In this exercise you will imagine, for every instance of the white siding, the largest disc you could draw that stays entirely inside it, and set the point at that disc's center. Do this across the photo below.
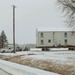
(71, 38)
(56, 38)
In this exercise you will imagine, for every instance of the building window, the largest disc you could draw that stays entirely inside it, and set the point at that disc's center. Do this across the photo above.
(65, 34)
(42, 42)
(49, 41)
(72, 32)
(65, 41)
(41, 34)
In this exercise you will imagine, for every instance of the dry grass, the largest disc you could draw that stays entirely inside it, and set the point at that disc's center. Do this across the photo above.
(45, 65)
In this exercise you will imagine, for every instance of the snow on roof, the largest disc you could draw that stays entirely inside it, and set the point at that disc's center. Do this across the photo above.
(54, 29)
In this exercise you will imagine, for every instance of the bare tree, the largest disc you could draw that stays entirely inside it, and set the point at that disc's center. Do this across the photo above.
(68, 7)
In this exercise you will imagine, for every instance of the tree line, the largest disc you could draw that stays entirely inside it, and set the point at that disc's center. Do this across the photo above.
(3, 40)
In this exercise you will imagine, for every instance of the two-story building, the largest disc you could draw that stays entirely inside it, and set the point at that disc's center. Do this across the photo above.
(55, 37)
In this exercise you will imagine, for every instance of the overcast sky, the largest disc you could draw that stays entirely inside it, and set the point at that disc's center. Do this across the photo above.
(30, 14)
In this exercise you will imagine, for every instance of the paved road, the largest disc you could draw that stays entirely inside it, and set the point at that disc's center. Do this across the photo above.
(13, 71)
(9, 68)
(2, 72)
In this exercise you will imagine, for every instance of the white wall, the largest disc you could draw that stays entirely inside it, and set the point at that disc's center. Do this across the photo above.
(58, 38)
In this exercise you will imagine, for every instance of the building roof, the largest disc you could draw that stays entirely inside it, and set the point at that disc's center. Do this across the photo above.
(54, 29)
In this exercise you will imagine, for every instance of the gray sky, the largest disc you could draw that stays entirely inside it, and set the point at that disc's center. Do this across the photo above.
(30, 14)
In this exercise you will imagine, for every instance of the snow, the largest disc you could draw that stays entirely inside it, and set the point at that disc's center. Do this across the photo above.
(54, 29)
(58, 56)
(59, 49)
(40, 49)
(17, 69)
(35, 49)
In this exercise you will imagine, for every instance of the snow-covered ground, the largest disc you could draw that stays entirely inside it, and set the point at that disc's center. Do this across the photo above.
(59, 58)
(63, 56)
(17, 69)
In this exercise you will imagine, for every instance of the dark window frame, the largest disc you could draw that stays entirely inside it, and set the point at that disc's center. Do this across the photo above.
(41, 34)
(65, 34)
(49, 41)
(66, 41)
(42, 42)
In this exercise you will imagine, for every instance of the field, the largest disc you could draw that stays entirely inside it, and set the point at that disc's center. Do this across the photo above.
(61, 62)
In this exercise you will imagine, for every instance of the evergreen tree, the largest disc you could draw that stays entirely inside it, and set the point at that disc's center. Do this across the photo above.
(3, 39)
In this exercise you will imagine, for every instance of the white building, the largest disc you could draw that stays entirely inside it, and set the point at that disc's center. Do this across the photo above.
(55, 37)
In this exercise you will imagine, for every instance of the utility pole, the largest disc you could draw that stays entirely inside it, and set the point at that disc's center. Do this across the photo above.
(14, 28)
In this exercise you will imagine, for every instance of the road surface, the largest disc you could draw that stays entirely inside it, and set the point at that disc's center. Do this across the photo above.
(2, 72)
(9, 68)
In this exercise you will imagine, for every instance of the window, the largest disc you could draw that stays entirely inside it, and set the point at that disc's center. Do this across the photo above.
(65, 34)
(42, 42)
(49, 41)
(65, 41)
(72, 32)
(41, 34)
